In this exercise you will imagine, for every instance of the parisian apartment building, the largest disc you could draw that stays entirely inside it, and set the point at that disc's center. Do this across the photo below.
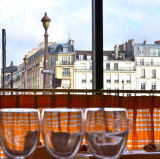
(136, 64)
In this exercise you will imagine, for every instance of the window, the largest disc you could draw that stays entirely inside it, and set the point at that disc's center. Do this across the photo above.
(151, 62)
(128, 94)
(66, 83)
(66, 72)
(107, 66)
(153, 86)
(116, 78)
(90, 66)
(141, 61)
(56, 58)
(140, 50)
(90, 80)
(84, 78)
(105, 58)
(65, 49)
(115, 66)
(108, 79)
(88, 57)
(153, 73)
(143, 86)
(80, 57)
(83, 66)
(51, 61)
(65, 60)
(154, 52)
(128, 77)
(142, 73)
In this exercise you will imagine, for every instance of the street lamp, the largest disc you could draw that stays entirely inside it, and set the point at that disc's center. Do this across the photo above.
(46, 21)
(25, 76)
(123, 86)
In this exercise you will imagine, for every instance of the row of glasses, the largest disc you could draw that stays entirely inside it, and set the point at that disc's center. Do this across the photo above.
(105, 129)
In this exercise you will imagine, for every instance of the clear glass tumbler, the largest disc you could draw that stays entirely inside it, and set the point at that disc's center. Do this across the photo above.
(62, 131)
(19, 132)
(106, 131)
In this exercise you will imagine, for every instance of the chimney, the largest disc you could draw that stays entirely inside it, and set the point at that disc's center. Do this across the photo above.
(116, 51)
(144, 42)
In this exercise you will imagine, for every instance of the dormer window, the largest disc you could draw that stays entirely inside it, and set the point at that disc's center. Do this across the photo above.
(88, 57)
(65, 49)
(105, 58)
(81, 57)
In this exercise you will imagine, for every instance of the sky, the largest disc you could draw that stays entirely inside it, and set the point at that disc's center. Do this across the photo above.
(122, 20)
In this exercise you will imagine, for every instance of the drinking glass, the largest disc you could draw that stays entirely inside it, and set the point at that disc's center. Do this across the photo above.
(19, 132)
(62, 131)
(130, 126)
(106, 131)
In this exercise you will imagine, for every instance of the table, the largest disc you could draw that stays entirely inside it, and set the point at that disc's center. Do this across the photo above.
(42, 153)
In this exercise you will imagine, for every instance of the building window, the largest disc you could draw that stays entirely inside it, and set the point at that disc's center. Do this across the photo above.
(80, 57)
(88, 57)
(115, 66)
(90, 80)
(65, 60)
(143, 86)
(128, 94)
(105, 58)
(142, 73)
(108, 79)
(153, 73)
(128, 77)
(66, 83)
(116, 78)
(65, 49)
(66, 72)
(84, 78)
(151, 62)
(56, 58)
(51, 61)
(153, 86)
(107, 66)
(142, 62)
(140, 49)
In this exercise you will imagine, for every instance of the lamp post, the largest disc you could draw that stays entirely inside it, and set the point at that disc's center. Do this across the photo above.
(25, 76)
(46, 21)
(123, 86)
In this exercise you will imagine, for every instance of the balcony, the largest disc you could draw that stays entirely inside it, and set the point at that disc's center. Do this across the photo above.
(83, 68)
(147, 63)
(121, 69)
(66, 73)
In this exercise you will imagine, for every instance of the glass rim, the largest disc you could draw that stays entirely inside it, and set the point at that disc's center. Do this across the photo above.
(62, 110)
(106, 109)
(21, 110)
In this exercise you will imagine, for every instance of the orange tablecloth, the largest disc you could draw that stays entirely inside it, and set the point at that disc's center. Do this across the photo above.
(144, 111)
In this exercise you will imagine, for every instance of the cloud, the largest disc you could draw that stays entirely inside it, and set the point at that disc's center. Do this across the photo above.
(123, 20)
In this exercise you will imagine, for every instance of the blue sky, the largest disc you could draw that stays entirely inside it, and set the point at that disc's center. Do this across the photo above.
(123, 20)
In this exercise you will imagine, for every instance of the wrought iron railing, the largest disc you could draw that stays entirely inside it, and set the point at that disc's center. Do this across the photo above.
(76, 91)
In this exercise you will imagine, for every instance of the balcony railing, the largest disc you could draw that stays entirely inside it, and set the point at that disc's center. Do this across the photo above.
(66, 73)
(120, 69)
(83, 68)
(148, 63)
